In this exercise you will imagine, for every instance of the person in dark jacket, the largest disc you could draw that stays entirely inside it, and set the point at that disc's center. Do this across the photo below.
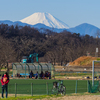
(31, 75)
(36, 76)
(4, 82)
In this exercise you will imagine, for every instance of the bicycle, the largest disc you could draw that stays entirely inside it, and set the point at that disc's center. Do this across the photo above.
(58, 88)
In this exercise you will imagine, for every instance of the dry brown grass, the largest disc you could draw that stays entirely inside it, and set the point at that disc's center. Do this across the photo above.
(83, 61)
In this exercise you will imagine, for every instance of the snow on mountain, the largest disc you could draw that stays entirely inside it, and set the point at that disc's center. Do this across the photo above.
(84, 29)
(46, 19)
(42, 28)
(43, 21)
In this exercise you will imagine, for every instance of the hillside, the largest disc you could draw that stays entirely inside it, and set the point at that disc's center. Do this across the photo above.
(83, 61)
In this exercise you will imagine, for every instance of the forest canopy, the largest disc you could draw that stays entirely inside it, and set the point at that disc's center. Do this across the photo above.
(17, 41)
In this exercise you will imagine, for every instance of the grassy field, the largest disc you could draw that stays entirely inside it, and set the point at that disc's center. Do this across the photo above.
(23, 88)
(43, 87)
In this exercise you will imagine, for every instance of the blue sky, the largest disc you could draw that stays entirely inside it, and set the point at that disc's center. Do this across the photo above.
(71, 12)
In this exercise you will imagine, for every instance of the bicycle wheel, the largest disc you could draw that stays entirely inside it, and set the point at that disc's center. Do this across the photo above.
(63, 90)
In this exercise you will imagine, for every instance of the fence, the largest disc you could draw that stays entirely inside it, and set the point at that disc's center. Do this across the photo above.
(93, 88)
(72, 86)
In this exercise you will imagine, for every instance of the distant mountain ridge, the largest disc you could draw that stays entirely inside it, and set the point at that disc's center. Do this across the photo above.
(83, 29)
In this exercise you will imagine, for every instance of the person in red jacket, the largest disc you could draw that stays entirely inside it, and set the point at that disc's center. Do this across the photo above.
(4, 81)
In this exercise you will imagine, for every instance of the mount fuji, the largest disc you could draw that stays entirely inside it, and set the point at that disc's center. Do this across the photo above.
(43, 21)
(46, 19)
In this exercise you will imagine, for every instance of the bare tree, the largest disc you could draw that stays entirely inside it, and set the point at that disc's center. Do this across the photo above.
(6, 52)
(97, 33)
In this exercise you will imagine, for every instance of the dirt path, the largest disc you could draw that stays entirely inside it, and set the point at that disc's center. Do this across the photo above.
(83, 97)
(73, 97)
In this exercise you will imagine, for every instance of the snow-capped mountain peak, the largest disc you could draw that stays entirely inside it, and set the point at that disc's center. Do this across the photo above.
(46, 19)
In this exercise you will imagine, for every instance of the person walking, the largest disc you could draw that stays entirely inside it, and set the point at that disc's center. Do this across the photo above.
(4, 81)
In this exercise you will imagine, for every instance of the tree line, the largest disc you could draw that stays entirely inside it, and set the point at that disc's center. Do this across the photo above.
(18, 41)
